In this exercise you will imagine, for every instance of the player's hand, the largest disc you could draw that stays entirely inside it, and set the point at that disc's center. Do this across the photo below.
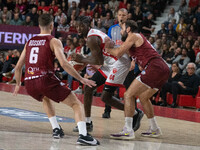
(76, 57)
(132, 67)
(109, 43)
(87, 82)
(16, 90)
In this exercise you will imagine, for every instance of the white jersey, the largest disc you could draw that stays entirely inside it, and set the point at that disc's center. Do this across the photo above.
(108, 59)
(114, 70)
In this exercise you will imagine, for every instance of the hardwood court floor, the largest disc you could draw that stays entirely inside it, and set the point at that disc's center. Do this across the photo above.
(15, 132)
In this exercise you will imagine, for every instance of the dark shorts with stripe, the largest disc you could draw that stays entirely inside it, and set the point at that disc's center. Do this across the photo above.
(49, 86)
(156, 73)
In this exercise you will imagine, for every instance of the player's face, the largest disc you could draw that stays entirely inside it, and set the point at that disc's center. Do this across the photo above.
(123, 32)
(122, 16)
(81, 28)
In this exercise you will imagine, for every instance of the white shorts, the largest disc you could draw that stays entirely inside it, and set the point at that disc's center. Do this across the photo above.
(116, 73)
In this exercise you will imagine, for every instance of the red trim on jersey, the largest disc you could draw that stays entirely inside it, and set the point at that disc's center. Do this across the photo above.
(113, 84)
(103, 74)
(115, 58)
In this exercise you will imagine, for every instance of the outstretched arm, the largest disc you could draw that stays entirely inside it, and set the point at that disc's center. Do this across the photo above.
(57, 48)
(124, 48)
(96, 57)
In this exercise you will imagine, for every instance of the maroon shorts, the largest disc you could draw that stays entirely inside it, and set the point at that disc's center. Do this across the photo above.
(155, 74)
(49, 86)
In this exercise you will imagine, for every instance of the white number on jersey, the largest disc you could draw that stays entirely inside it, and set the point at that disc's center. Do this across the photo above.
(34, 55)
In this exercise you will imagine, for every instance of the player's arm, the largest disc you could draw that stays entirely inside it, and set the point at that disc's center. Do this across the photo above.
(18, 70)
(96, 57)
(124, 48)
(57, 48)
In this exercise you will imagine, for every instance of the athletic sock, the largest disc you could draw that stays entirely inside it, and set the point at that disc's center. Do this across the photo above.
(82, 128)
(128, 123)
(88, 119)
(54, 122)
(153, 123)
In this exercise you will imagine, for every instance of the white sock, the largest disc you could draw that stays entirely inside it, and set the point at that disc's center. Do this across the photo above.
(88, 119)
(153, 123)
(129, 123)
(54, 122)
(82, 128)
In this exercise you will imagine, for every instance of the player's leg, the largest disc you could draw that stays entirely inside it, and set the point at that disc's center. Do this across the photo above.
(138, 113)
(109, 100)
(136, 88)
(79, 116)
(50, 111)
(154, 130)
(88, 96)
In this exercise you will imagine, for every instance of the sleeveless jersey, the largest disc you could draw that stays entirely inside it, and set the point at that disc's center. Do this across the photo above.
(144, 53)
(39, 57)
(108, 59)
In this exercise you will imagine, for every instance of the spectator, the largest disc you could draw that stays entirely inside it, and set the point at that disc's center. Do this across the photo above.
(147, 7)
(6, 14)
(108, 21)
(16, 20)
(177, 52)
(183, 7)
(195, 47)
(162, 30)
(27, 21)
(137, 16)
(180, 26)
(22, 5)
(63, 26)
(192, 31)
(54, 6)
(147, 28)
(197, 61)
(182, 60)
(34, 16)
(113, 4)
(58, 16)
(167, 54)
(172, 15)
(171, 33)
(64, 7)
(174, 76)
(123, 4)
(98, 26)
(106, 10)
(73, 7)
(3, 20)
(188, 16)
(191, 53)
(158, 46)
(188, 84)
(197, 15)
(92, 4)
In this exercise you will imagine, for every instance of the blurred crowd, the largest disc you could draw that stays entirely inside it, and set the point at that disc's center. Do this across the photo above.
(178, 40)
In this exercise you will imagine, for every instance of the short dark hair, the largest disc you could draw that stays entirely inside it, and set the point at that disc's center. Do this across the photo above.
(45, 19)
(84, 19)
(132, 24)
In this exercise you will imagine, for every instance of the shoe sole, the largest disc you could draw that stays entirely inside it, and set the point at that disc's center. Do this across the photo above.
(152, 136)
(137, 126)
(122, 138)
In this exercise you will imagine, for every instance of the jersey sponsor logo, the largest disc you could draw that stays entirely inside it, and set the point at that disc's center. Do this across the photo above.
(28, 115)
(31, 70)
(114, 70)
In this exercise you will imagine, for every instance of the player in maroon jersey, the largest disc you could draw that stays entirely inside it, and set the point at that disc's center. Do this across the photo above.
(155, 73)
(40, 81)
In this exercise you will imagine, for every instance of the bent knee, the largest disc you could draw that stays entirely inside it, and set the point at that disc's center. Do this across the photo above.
(128, 95)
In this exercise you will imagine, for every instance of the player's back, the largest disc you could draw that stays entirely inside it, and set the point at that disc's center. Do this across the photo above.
(39, 57)
(144, 53)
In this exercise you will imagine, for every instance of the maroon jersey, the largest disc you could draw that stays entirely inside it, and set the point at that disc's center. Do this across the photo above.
(143, 54)
(39, 57)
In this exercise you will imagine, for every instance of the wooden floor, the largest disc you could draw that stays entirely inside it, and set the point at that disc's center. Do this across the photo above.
(14, 130)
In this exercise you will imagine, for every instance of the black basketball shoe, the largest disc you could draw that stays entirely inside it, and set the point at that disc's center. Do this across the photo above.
(87, 140)
(58, 133)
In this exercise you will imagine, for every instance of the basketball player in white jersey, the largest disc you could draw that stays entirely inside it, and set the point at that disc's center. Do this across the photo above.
(112, 73)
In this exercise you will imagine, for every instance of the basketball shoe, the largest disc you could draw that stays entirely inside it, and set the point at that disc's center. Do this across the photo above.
(87, 140)
(151, 133)
(58, 133)
(123, 135)
(137, 119)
